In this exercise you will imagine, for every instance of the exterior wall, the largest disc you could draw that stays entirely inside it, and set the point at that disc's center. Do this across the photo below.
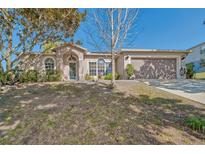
(60, 57)
(179, 66)
(36, 62)
(196, 57)
(28, 62)
(40, 65)
(93, 59)
(153, 55)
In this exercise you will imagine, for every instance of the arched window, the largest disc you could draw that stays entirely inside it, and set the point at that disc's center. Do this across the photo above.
(49, 64)
(72, 58)
(101, 67)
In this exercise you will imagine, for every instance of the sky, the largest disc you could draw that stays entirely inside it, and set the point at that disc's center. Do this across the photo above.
(173, 29)
(164, 29)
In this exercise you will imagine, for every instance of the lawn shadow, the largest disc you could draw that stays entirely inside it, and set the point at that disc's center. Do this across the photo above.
(167, 116)
(92, 113)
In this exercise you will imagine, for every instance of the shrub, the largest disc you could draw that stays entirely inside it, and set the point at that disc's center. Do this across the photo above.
(190, 70)
(196, 123)
(10, 77)
(42, 77)
(53, 75)
(26, 76)
(88, 77)
(13, 76)
(32, 76)
(129, 70)
(29, 76)
(7, 78)
(109, 76)
(117, 76)
(2, 78)
(22, 77)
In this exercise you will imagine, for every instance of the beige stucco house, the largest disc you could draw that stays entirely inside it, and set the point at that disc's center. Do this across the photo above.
(75, 62)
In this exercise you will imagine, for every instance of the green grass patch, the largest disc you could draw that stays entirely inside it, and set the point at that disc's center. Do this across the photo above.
(196, 123)
(113, 124)
(51, 123)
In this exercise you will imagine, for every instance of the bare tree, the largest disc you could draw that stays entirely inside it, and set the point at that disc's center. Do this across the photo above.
(112, 29)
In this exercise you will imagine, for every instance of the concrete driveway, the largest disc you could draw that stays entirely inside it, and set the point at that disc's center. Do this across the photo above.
(191, 89)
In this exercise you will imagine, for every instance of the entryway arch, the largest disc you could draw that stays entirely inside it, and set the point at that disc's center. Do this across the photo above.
(71, 61)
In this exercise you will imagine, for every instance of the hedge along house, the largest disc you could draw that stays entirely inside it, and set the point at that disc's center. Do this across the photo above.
(76, 62)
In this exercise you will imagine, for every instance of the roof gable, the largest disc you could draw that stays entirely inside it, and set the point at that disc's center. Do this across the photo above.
(71, 45)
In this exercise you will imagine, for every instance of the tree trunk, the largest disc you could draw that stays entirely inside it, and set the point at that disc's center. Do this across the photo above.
(8, 54)
(113, 70)
(1, 74)
(112, 50)
(8, 64)
(1, 67)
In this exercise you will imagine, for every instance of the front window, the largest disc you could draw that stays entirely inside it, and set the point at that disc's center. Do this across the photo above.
(101, 67)
(92, 68)
(49, 64)
(202, 51)
(202, 63)
(108, 68)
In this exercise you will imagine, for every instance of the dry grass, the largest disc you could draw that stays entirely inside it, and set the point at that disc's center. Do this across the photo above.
(89, 113)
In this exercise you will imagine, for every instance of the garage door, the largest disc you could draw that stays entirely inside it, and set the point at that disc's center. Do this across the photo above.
(153, 68)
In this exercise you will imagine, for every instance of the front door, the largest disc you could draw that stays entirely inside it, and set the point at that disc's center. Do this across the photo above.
(72, 70)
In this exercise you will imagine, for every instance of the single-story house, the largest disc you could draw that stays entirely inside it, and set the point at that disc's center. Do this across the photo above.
(75, 62)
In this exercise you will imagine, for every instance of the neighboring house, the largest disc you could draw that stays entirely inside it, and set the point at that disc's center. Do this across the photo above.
(76, 62)
(197, 59)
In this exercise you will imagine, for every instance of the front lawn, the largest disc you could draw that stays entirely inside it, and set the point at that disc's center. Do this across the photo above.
(89, 113)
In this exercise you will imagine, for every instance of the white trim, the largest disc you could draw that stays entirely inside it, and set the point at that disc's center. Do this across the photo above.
(138, 49)
(95, 60)
(76, 57)
(153, 56)
(155, 50)
(89, 67)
